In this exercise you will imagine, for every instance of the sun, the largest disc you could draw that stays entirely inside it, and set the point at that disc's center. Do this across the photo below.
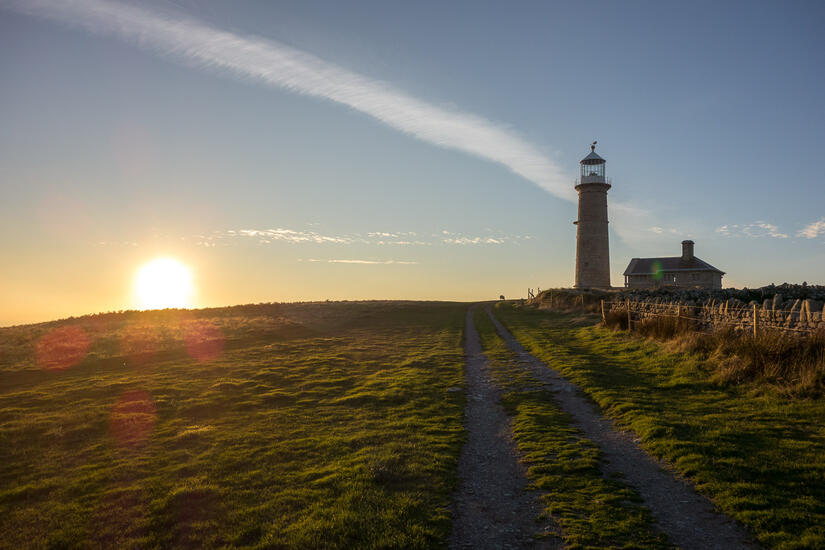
(162, 283)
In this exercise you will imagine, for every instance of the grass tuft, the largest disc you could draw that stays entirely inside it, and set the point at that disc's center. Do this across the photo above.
(616, 319)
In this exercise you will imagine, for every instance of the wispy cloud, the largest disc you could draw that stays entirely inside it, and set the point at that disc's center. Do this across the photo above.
(812, 230)
(196, 43)
(378, 238)
(473, 240)
(396, 238)
(192, 42)
(448, 237)
(394, 235)
(761, 229)
(658, 230)
(292, 236)
(633, 223)
(755, 229)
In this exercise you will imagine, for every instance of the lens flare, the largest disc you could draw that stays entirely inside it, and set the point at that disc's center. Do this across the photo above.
(132, 419)
(62, 347)
(163, 283)
(204, 341)
(139, 344)
(658, 270)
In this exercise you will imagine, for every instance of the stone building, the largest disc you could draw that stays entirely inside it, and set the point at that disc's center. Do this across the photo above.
(592, 247)
(683, 271)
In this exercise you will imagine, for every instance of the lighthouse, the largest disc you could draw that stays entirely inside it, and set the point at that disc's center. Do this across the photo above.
(592, 248)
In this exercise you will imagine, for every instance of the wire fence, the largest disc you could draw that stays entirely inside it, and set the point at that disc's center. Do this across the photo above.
(708, 318)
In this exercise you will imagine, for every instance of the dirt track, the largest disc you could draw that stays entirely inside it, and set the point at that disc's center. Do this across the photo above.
(492, 508)
(688, 518)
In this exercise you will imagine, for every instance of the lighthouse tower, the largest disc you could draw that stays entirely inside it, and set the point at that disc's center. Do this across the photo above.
(592, 248)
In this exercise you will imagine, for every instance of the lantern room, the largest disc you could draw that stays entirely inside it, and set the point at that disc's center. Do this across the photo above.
(592, 167)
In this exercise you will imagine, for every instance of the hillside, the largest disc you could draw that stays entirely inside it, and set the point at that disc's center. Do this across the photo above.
(300, 425)
(344, 425)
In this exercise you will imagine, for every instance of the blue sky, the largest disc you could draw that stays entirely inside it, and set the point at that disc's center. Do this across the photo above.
(438, 164)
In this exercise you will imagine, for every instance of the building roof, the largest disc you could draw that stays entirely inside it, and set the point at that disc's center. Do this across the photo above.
(645, 266)
(592, 158)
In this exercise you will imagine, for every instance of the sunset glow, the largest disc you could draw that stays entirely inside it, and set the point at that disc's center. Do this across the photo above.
(163, 283)
(319, 274)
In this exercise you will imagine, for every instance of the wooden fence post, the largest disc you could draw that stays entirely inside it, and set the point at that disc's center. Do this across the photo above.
(603, 319)
(755, 321)
(628, 318)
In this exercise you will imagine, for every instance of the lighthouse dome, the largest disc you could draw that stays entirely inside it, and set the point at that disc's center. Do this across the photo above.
(593, 158)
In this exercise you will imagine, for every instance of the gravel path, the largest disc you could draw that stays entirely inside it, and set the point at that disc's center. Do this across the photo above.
(492, 507)
(687, 517)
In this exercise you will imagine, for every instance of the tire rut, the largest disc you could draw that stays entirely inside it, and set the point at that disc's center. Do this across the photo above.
(687, 517)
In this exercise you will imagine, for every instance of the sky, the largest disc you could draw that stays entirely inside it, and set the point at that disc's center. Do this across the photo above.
(305, 150)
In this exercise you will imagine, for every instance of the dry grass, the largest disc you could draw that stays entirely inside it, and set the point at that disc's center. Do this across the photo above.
(795, 363)
(665, 328)
(616, 319)
(567, 300)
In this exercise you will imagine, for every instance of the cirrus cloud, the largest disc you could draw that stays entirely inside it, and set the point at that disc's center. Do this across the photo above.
(812, 230)
(193, 42)
(756, 229)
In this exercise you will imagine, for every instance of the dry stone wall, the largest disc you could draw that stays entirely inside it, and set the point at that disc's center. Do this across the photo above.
(788, 307)
(802, 315)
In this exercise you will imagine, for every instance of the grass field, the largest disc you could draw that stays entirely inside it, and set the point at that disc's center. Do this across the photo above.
(293, 426)
(329, 426)
(757, 453)
(593, 511)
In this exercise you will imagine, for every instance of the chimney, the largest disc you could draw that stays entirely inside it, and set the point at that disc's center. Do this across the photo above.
(687, 251)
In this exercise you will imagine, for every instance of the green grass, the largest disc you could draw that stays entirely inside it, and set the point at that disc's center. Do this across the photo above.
(592, 510)
(758, 454)
(303, 426)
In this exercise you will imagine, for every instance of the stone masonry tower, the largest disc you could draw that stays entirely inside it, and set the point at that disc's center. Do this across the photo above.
(592, 248)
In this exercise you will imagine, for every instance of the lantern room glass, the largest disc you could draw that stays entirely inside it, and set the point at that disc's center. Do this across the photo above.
(593, 170)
